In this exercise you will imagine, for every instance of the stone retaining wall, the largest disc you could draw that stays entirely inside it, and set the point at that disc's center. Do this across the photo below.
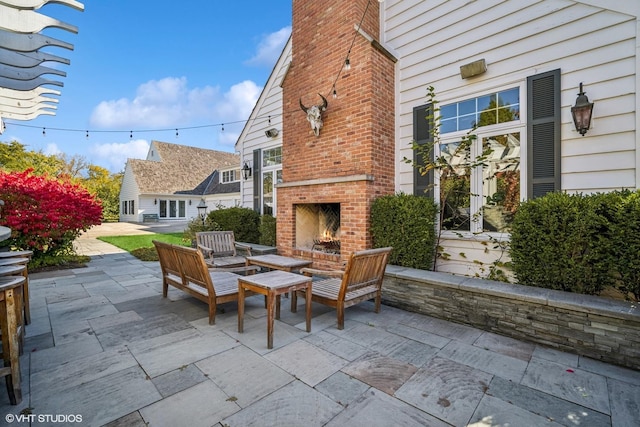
(599, 328)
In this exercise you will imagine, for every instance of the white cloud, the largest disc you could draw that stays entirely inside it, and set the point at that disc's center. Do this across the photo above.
(270, 48)
(168, 103)
(157, 104)
(114, 155)
(52, 150)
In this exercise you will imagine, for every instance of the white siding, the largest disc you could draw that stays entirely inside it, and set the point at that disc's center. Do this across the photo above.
(587, 42)
(267, 114)
(129, 191)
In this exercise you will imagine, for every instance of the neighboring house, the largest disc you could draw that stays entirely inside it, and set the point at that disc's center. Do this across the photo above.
(512, 68)
(174, 179)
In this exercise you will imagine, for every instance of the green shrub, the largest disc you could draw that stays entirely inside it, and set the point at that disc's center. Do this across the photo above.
(244, 222)
(627, 244)
(267, 230)
(407, 223)
(565, 242)
(196, 225)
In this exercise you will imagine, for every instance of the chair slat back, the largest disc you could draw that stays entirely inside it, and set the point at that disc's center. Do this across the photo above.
(222, 243)
(194, 269)
(168, 261)
(364, 269)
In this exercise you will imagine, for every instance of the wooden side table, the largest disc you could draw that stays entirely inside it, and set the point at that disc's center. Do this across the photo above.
(278, 262)
(272, 285)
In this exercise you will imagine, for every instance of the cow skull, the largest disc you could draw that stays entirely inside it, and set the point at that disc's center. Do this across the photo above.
(314, 114)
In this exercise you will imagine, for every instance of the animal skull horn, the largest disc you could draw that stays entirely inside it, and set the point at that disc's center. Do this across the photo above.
(314, 114)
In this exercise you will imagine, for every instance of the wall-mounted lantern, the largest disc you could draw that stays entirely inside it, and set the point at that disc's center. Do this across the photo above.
(202, 210)
(246, 171)
(155, 201)
(581, 112)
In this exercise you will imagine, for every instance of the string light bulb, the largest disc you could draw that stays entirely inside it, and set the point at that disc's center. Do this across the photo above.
(347, 64)
(44, 131)
(335, 94)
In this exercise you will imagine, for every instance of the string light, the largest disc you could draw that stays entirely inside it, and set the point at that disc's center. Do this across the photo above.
(44, 131)
(87, 134)
(346, 65)
(176, 132)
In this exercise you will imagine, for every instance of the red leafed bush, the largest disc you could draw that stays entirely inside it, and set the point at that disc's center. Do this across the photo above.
(45, 215)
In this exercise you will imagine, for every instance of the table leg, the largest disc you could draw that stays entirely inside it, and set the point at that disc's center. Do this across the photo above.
(308, 306)
(240, 307)
(278, 306)
(270, 310)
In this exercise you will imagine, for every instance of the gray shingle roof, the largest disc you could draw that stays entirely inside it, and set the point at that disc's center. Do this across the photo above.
(183, 170)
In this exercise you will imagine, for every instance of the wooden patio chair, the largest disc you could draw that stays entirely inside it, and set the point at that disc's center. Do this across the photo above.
(361, 280)
(185, 269)
(221, 250)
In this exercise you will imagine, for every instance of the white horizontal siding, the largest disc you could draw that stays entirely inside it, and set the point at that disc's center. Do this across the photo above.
(267, 114)
(589, 43)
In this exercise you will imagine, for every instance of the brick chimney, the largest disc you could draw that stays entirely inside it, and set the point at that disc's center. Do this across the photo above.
(352, 161)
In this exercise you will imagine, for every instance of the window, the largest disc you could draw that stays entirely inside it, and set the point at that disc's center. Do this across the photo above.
(267, 173)
(486, 110)
(172, 209)
(480, 188)
(230, 176)
(272, 157)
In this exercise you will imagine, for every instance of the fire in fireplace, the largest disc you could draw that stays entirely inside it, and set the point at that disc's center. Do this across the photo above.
(318, 227)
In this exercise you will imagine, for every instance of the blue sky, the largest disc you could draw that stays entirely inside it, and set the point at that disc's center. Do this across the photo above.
(156, 64)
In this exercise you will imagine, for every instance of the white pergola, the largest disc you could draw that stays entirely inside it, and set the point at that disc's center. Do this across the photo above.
(23, 88)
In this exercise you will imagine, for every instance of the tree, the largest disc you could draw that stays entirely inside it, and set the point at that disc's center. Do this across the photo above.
(45, 214)
(106, 187)
(14, 157)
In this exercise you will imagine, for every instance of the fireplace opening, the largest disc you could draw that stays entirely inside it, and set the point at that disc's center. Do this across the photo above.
(318, 227)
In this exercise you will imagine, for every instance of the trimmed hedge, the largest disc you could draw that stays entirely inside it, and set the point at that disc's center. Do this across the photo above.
(407, 223)
(578, 243)
(244, 222)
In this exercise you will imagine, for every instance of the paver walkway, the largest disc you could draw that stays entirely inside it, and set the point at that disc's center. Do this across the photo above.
(105, 346)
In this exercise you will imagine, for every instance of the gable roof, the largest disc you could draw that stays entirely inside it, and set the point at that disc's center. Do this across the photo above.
(183, 170)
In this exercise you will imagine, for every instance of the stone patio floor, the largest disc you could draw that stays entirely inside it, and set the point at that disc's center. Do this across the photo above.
(104, 346)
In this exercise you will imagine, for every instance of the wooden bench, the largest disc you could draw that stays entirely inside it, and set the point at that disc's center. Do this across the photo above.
(185, 269)
(150, 217)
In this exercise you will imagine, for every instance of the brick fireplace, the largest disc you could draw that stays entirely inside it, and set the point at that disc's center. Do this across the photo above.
(351, 162)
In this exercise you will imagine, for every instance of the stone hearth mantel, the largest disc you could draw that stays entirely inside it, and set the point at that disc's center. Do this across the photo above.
(323, 181)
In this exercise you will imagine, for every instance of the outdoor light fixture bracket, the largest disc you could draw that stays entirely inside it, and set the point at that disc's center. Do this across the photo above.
(581, 112)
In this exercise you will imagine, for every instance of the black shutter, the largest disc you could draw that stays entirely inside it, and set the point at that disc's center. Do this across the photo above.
(257, 184)
(422, 135)
(543, 133)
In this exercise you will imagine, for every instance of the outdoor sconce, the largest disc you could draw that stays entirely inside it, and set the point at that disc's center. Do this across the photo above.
(271, 133)
(202, 210)
(155, 201)
(189, 202)
(581, 112)
(246, 171)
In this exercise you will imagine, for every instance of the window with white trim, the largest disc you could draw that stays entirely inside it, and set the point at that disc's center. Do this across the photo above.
(480, 143)
(230, 176)
(271, 175)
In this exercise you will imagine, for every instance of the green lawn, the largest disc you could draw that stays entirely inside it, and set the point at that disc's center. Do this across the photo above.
(131, 243)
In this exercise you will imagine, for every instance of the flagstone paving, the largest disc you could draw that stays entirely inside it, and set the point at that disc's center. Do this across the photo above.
(105, 345)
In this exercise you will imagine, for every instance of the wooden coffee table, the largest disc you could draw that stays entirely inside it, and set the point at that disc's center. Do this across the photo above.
(272, 285)
(278, 262)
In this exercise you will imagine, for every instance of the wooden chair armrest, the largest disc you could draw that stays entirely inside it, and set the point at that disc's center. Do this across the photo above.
(245, 247)
(207, 252)
(317, 272)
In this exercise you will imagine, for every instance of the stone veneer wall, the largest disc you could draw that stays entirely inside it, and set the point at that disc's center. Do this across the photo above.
(599, 328)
